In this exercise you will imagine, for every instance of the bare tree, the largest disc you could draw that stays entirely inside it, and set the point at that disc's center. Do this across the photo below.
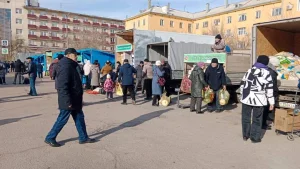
(16, 45)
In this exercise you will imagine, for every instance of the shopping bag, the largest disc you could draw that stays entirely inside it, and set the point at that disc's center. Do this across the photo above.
(186, 85)
(223, 97)
(208, 96)
(119, 91)
(165, 101)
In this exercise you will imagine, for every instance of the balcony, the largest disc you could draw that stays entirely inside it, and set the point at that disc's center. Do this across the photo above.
(66, 29)
(32, 26)
(55, 29)
(96, 24)
(32, 36)
(121, 27)
(55, 38)
(76, 22)
(112, 34)
(42, 17)
(112, 43)
(44, 37)
(105, 34)
(86, 23)
(64, 20)
(113, 26)
(104, 25)
(55, 19)
(31, 16)
(76, 30)
(44, 27)
(76, 39)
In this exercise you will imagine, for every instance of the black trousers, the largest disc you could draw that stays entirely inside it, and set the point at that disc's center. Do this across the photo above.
(196, 101)
(2, 80)
(148, 87)
(125, 89)
(40, 74)
(156, 99)
(18, 75)
(167, 88)
(252, 130)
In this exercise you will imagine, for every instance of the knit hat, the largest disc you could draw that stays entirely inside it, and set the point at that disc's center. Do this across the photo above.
(158, 63)
(108, 76)
(201, 64)
(263, 59)
(214, 60)
(60, 56)
(218, 37)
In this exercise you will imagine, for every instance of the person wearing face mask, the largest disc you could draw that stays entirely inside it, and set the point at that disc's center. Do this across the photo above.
(219, 45)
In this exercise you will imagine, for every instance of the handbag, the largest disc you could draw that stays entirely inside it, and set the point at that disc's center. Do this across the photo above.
(161, 81)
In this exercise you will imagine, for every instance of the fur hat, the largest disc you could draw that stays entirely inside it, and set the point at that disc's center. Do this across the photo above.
(263, 59)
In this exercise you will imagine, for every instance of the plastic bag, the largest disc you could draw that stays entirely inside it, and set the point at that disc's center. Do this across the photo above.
(223, 97)
(208, 96)
(165, 101)
(119, 91)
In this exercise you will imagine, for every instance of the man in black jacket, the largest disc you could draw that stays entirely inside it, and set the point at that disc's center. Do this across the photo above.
(18, 70)
(70, 93)
(215, 77)
(139, 77)
(32, 71)
(167, 75)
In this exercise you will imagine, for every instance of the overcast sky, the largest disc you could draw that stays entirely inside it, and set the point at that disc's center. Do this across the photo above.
(119, 9)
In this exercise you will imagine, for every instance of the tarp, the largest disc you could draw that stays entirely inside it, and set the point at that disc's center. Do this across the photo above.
(40, 58)
(92, 55)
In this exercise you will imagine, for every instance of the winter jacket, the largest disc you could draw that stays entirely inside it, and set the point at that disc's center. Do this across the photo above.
(198, 82)
(2, 69)
(139, 72)
(274, 75)
(95, 75)
(12, 65)
(257, 86)
(219, 47)
(167, 69)
(109, 85)
(215, 77)
(126, 74)
(106, 69)
(39, 68)
(148, 70)
(69, 86)
(32, 70)
(19, 66)
(156, 88)
(53, 68)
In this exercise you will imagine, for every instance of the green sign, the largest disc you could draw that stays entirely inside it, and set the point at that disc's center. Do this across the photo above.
(79, 58)
(49, 54)
(204, 57)
(5, 51)
(124, 48)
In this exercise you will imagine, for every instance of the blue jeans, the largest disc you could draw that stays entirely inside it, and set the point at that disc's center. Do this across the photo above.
(62, 120)
(32, 86)
(216, 99)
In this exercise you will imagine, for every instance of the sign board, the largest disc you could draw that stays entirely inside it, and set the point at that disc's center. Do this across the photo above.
(49, 54)
(124, 48)
(5, 51)
(204, 57)
(4, 42)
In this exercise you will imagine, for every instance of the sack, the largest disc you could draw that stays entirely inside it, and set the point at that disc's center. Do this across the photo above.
(186, 85)
(119, 90)
(223, 97)
(165, 101)
(208, 96)
(161, 81)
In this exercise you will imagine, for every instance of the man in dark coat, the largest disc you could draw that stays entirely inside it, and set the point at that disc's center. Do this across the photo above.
(12, 66)
(32, 70)
(54, 69)
(139, 76)
(167, 75)
(19, 66)
(40, 70)
(198, 83)
(126, 77)
(215, 77)
(70, 93)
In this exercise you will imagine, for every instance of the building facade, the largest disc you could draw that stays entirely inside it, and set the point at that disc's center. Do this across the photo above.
(43, 29)
(233, 21)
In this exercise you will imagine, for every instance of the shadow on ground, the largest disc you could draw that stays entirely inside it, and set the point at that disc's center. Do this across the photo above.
(13, 120)
(14, 97)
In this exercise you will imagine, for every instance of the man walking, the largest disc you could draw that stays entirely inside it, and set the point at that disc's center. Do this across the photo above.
(70, 94)
(40, 70)
(126, 77)
(32, 70)
(139, 76)
(257, 91)
(215, 77)
(148, 76)
(12, 66)
(18, 70)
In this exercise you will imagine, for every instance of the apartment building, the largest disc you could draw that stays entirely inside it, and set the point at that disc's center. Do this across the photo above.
(45, 29)
(233, 21)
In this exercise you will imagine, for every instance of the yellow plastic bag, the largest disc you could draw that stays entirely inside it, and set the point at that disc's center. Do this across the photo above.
(165, 101)
(119, 91)
(208, 96)
(223, 97)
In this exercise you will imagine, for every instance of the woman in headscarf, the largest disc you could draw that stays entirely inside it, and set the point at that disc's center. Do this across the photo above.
(95, 74)
(219, 45)
(87, 71)
(198, 83)
(156, 87)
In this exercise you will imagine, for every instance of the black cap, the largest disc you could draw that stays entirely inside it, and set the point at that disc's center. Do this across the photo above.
(126, 60)
(146, 60)
(29, 58)
(141, 62)
(214, 60)
(60, 56)
(107, 61)
(218, 37)
(263, 59)
(71, 51)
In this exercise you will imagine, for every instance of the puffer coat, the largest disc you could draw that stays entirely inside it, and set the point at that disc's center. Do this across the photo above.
(198, 82)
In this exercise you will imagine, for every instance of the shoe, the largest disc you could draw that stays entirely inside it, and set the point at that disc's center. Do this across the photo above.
(14, 83)
(156, 105)
(267, 127)
(201, 112)
(133, 102)
(211, 111)
(245, 138)
(148, 99)
(218, 111)
(29, 94)
(192, 110)
(52, 143)
(124, 103)
(89, 140)
(255, 141)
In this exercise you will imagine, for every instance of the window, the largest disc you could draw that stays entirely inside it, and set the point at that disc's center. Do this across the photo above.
(104, 30)
(31, 32)
(217, 22)
(54, 34)
(43, 43)
(197, 26)
(190, 28)
(31, 42)
(31, 12)
(18, 10)
(96, 21)
(43, 33)
(139, 23)
(112, 48)
(84, 28)
(242, 17)
(276, 12)
(144, 22)
(242, 31)
(54, 24)
(205, 24)
(55, 44)
(54, 15)
(65, 26)
(241, 45)
(258, 13)
(19, 31)
(172, 24)
(31, 22)
(228, 32)
(43, 23)
(65, 16)
(112, 31)
(112, 40)
(43, 13)
(75, 18)
(180, 25)
(161, 23)
(229, 18)
(85, 19)
(18, 21)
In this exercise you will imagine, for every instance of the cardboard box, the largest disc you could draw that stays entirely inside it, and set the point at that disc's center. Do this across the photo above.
(284, 120)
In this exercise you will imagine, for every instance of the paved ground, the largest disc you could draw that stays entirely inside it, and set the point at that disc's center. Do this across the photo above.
(131, 137)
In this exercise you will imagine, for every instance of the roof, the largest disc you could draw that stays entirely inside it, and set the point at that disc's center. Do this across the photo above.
(203, 14)
(72, 13)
